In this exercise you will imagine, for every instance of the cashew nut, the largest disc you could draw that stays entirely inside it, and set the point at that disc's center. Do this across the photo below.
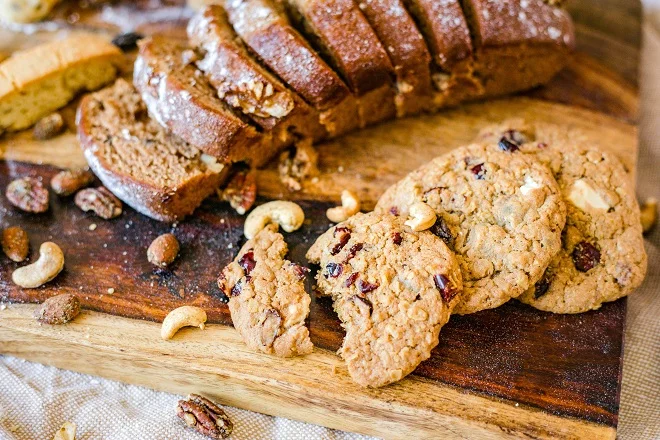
(288, 215)
(66, 432)
(49, 264)
(649, 214)
(350, 205)
(421, 217)
(182, 317)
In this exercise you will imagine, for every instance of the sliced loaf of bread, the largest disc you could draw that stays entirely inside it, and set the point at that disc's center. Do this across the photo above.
(38, 81)
(407, 50)
(151, 170)
(357, 55)
(245, 85)
(179, 97)
(264, 27)
(518, 44)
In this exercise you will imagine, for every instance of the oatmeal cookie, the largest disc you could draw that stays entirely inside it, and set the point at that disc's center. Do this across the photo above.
(267, 298)
(499, 210)
(393, 290)
(602, 256)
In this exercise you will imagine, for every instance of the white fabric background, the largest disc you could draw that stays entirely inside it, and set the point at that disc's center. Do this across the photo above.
(35, 400)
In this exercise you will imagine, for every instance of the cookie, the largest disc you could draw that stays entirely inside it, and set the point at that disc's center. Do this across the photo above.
(393, 290)
(602, 256)
(499, 210)
(267, 298)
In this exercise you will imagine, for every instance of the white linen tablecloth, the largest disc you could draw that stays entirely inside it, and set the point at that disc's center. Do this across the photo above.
(35, 400)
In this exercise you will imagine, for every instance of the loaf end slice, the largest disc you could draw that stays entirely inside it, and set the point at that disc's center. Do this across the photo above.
(179, 97)
(518, 44)
(247, 86)
(38, 81)
(265, 28)
(154, 172)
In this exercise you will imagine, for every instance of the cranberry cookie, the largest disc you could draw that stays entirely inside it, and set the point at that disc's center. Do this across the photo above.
(267, 298)
(393, 290)
(602, 257)
(499, 210)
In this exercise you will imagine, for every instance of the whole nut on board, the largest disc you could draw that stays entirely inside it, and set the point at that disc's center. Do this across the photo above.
(241, 191)
(48, 127)
(15, 243)
(183, 316)
(28, 194)
(58, 309)
(99, 200)
(350, 205)
(47, 267)
(288, 215)
(204, 416)
(67, 182)
(163, 250)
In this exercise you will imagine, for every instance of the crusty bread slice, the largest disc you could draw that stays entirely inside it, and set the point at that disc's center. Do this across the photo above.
(151, 170)
(179, 97)
(38, 81)
(518, 44)
(245, 85)
(265, 28)
(338, 30)
(407, 51)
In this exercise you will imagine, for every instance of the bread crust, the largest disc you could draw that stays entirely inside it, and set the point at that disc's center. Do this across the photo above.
(407, 51)
(180, 99)
(242, 83)
(264, 27)
(168, 204)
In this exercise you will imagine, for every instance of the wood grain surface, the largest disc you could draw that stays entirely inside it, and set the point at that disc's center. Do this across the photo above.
(508, 372)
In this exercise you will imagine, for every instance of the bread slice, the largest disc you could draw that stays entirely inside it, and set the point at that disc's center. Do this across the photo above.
(246, 86)
(151, 170)
(264, 27)
(340, 31)
(179, 97)
(447, 34)
(38, 81)
(518, 44)
(407, 51)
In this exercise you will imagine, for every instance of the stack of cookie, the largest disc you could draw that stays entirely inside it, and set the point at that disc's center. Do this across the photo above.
(523, 213)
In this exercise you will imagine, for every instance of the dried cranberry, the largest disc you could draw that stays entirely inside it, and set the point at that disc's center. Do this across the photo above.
(357, 247)
(237, 289)
(507, 145)
(300, 271)
(351, 279)
(541, 287)
(446, 288)
(478, 171)
(366, 287)
(397, 238)
(585, 256)
(334, 270)
(247, 262)
(343, 239)
(394, 210)
(441, 230)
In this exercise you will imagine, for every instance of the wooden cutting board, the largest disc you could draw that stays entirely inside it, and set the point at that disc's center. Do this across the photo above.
(508, 372)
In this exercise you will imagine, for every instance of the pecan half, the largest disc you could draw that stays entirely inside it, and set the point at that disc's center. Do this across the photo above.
(48, 127)
(100, 201)
(241, 191)
(297, 164)
(204, 416)
(28, 194)
(67, 182)
(15, 243)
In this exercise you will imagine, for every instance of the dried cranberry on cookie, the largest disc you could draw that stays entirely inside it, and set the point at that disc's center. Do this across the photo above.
(393, 290)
